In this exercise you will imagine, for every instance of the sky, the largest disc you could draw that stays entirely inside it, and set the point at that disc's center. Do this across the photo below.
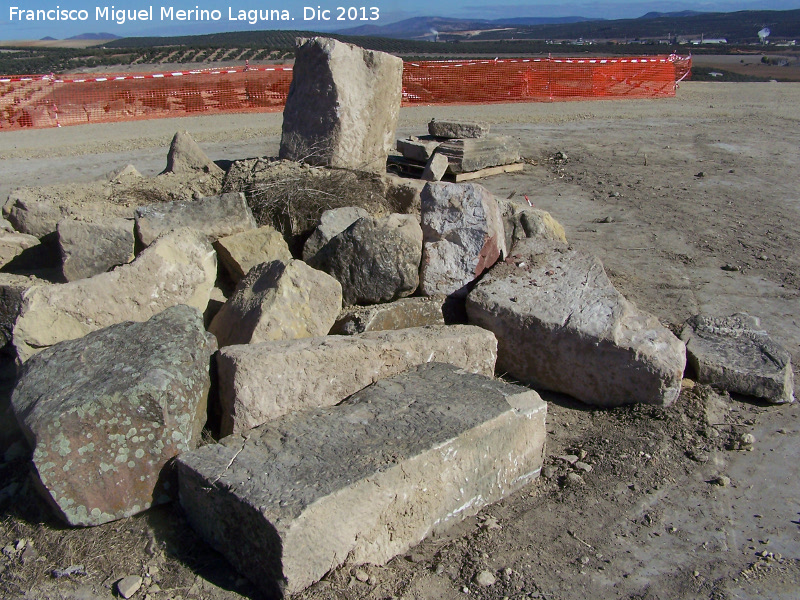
(310, 14)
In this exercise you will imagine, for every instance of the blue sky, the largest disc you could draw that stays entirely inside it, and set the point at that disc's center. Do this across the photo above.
(387, 10)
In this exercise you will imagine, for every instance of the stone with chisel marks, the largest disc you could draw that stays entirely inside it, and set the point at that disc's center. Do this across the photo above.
(365, 480)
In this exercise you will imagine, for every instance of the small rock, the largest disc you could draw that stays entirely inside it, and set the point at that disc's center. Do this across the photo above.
(548, 472)
(29, 554)
(491, 523)
(570, 458)
(69, 571)
(730, 267)
(747, 439)
(582, 454)
(583, 466)
(722, 481)
(128, 586)
(485, 578)
(20, 545)
(687, 384)
(575, 479)
(361, 575)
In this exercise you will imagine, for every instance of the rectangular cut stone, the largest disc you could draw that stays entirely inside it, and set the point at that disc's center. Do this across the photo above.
(261, 382)
(400, 314)
(476, 154)
(458, 129)
(365, 480)
(419, 149)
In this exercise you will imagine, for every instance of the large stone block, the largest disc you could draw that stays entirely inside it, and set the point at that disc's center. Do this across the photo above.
(458, 129)
(560, 324)
(241, 252)
(363, 481)
(12, 290)
(375, 260)
(418, 149)
(342, 107)
(105, 413)
(278, 301)
(467, 155)
(179, 268)
(216, 216)
(735, 354)
(88, 249)
(400, 314)
(261, 382)
(13, 243)
(463, 235)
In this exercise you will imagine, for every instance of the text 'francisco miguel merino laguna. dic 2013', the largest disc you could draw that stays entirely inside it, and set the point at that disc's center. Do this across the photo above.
(121, 16)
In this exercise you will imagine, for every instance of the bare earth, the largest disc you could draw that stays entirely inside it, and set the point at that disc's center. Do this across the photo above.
(666, 192)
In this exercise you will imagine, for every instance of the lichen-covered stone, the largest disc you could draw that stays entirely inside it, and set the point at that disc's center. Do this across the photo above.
(179, 268)
(735, 354)
(278, 301)
(104, 413)
(365, 480)
(375, 260)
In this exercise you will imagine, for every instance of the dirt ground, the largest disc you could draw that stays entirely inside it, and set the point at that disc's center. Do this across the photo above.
(693, 204)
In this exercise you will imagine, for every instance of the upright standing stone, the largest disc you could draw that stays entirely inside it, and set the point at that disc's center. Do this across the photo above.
(365, 480)
(106, 412)
(185, 156)
(735, 354)
(560, 324)
(463, 235)
(342, 107)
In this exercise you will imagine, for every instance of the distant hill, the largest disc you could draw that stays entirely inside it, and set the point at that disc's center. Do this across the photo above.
(682, 13)
(95, 36)
(422, 27)
(47, 38)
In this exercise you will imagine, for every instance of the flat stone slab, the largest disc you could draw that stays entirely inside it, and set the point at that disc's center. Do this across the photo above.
(363, 481)
(735, 354)
(561, 324)
(419, 149)
(400, 314)
(465, 155)
(458, 129)
(261, 382)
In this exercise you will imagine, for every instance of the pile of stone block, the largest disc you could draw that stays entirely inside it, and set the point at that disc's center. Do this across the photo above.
(463, 150)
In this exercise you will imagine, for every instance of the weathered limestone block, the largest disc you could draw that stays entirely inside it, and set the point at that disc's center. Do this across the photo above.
(463, 235)
(88, 249)
(436, 168)
(560, 324)
(342, 107)
(331, 223)
(735, 354)
(520, 222)
(363, 481)
(375, 260)
(261, 382)
(36, 218)
(185, 156)
(179, 268)
(241, 252)
(467, 155)
(400, 314)
(418, 149)
(216, 216)
(458, 129)
(104, 413)
(403, 193)
(278, 301)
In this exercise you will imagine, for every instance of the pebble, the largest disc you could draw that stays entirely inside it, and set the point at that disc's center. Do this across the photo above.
(722, 481)
(582, 454)
(128, 586)
(575, 479)
(583, 466)
(687, 384)
(548, 472)
(570, 458)
(361, 575)
(485, 578)
(747, 439)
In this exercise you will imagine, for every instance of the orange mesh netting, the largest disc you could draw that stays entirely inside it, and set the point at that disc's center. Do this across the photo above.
(51, 101)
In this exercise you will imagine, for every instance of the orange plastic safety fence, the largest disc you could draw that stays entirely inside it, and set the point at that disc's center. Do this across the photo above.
(50, 101)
